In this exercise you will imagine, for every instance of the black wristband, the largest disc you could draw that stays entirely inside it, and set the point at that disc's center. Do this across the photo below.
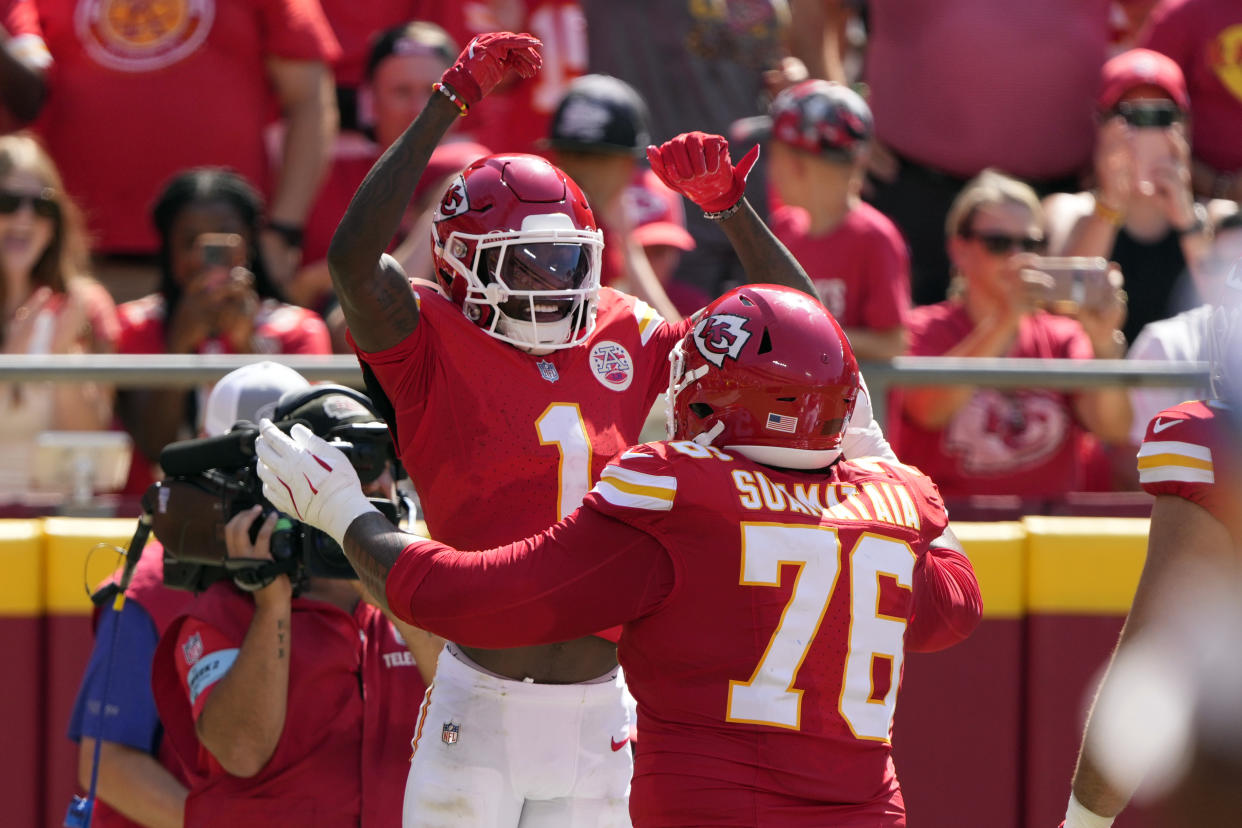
(1196, 226)
(292, 235)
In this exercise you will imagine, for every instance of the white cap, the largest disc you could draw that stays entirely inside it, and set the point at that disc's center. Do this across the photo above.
(249, 393)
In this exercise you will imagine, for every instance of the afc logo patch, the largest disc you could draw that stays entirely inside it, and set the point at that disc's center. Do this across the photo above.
(720, 336)
(455, 201)
(612, 366)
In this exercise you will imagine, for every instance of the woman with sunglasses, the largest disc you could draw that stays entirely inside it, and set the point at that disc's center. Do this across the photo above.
(49, 306)
(998, 441)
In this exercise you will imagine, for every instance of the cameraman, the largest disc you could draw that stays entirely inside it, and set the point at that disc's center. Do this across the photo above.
(293, 703)
(140, 781)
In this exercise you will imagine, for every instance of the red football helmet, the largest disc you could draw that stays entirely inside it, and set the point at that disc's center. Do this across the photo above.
(765, 370)
(518, 248)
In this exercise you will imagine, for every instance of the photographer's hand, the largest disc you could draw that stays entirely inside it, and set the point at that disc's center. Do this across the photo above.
(237, 540)
(308, 479)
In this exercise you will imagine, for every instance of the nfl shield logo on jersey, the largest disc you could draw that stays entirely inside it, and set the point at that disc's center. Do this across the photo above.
(449, 733)
(193, 649)
(547, 370)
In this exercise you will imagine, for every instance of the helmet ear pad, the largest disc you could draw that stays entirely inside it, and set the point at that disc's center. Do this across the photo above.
(765, 367)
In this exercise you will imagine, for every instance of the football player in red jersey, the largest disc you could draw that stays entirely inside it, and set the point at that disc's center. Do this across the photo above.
(513, 379)
(768, 588)
(1189, 460)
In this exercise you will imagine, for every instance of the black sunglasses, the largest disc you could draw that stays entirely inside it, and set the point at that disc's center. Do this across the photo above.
(1149, 113)
(998, 244)
(43, 204)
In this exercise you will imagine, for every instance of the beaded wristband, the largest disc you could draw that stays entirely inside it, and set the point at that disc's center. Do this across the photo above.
(1109, 214)
(725, 213)
(452, 96)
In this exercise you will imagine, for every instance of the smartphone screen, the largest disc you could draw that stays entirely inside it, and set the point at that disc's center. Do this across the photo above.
(1077, 282)
(220, 250)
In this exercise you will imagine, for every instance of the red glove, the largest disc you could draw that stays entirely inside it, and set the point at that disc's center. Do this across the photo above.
(484, 61)
(697, 165)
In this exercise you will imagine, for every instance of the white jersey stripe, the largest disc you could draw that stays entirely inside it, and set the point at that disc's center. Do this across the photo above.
(635, 490)
(1178, 474)
(1175, 447)
(648, 320)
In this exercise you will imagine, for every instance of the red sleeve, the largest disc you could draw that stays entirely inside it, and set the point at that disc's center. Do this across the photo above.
(1169, 32)
(203, 656)
(309, 336)
(888, 280)
(947, 603)
(298, 30)
(584, 574)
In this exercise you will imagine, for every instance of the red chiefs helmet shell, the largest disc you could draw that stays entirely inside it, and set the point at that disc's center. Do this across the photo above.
(506, 212)
(764, 366)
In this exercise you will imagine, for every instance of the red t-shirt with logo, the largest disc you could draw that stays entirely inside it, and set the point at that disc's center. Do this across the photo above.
(861, 269)
(1018, 442)
(1204, 37)
(142, 91)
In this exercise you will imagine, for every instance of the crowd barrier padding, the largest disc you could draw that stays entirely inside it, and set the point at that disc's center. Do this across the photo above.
(1081, 577)
(986, 732)
(79, 554)
(22, 651)
(959, 715)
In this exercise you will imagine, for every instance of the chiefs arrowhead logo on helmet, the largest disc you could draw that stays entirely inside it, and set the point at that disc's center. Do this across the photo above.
(720, 336)
(455, 201)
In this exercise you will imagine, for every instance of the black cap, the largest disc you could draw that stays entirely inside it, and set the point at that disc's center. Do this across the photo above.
(600, 113)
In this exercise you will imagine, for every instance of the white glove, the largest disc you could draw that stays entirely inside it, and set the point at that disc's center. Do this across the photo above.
(308, 479)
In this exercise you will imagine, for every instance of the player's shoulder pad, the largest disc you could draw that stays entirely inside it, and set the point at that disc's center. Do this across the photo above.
(616, 308)
(883, 469)
(1179, 444)
(643, 477)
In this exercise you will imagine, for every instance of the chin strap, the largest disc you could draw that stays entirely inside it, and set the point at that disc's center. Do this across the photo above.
(706, 438)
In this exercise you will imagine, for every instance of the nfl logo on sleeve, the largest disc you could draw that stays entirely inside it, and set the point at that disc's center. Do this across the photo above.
(450, 732)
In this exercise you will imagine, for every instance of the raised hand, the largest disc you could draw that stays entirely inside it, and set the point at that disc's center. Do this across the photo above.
(697, 165)
(484, 61)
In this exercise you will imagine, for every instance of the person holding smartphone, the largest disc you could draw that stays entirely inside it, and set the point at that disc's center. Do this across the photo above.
(1142, 213)
(215, 296)
(1025, 442)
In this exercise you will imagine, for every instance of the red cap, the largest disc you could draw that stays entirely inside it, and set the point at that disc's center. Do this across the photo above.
(446, 160)
(658, 215)
(1141, 67)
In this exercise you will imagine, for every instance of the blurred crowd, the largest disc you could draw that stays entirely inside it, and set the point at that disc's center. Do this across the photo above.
(171, 176)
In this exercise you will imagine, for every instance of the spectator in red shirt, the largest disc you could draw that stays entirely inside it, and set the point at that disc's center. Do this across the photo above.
(403, 63)
(1202, 37)
(821, 134)
(215, 296)
(984, 440)
(134, 103)
(598, 133)
(658, 218)
(50, 306)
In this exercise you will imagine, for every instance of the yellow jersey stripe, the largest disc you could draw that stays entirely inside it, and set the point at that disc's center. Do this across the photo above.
(635, 490)
(1153, 461)
(648, 320)
(1159, 447)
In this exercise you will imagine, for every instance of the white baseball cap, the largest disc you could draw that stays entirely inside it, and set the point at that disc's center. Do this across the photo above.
(248, 393)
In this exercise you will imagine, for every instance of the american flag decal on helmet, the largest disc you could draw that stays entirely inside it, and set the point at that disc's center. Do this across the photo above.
(779, 422)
